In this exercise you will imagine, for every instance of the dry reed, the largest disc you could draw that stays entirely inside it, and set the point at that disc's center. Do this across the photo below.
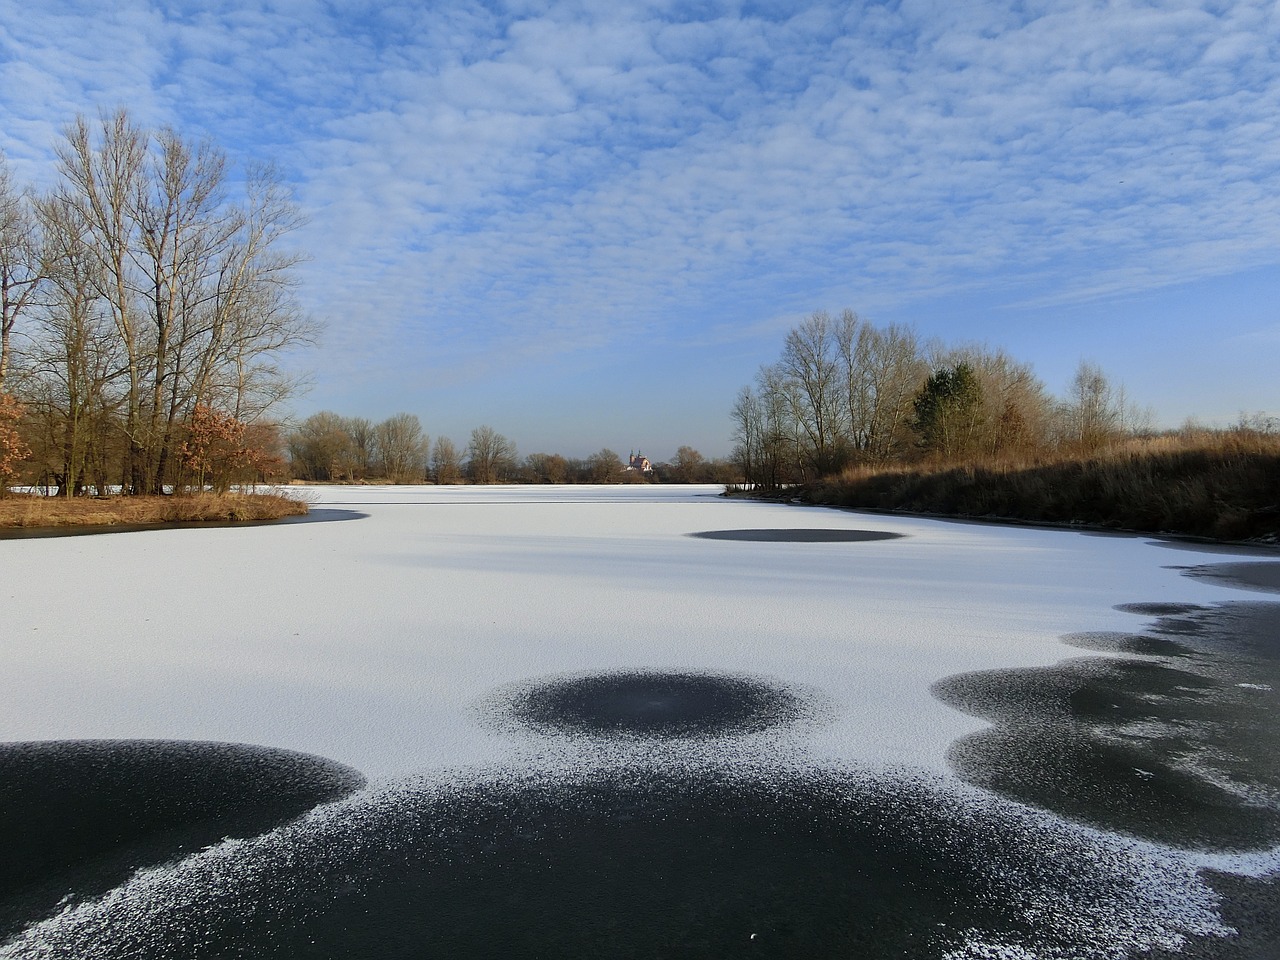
(1222, 486)
(28, 510)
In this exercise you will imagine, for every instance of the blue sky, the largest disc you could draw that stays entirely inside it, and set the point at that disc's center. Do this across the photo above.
(588, 223)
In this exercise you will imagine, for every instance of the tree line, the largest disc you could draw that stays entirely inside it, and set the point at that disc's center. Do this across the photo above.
(328, 447)
(847, 393)
(144, 301)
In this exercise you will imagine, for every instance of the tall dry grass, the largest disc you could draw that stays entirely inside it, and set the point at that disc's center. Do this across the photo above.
(1222, 485)
(30, 510)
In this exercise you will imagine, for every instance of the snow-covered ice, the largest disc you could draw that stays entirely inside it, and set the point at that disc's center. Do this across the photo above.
(370, 641)
(386, 639)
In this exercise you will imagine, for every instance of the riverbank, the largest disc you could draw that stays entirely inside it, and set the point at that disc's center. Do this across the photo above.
(1218, 494)
(30, 510)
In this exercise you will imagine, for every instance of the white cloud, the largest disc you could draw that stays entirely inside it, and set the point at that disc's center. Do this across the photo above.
(539, 176)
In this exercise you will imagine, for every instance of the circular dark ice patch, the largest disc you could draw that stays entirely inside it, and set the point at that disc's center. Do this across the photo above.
(655, 705)
(798, 535)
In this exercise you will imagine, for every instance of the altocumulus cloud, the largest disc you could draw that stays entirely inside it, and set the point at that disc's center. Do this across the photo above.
(537, 178)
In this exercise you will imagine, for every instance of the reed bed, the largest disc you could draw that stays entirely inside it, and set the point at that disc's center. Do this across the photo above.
(31, 510)
(1224, 487)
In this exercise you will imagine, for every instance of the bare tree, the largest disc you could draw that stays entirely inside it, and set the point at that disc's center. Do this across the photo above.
(75, 358)
(199, 295)
(687, 466)
(361, 458)
(1093, 415)
(768, 437)
(882, 370)
(21, 263)
(491, 457)
(809, 362)
(605, 466)
(100, 183)
(320, 448)
(446, 462)
(252, 314)
(546, 468)
(747, 436)
(402, 448)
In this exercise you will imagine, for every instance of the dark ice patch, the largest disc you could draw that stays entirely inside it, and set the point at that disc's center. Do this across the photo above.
(1251, 906)
(1130, 643)
(79, 816)
(1181, 748)
(1261, 576)
(638, 862)
(323, 515)
(798, 535)
(1210, 546)
(1159, 609)
(656, 705)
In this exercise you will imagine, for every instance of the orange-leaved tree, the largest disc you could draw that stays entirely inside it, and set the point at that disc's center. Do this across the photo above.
(12, 448)
(215, 452)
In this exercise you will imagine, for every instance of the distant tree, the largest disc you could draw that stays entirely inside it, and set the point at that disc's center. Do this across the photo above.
(546, 468)
(446, 463)
(881, 373)
(723, 470)
(361, 458)
(810, 366)
(782, 436)
(1259, 422)
(766, 434)
(402, 448)
(491, 457)
(1096, 412)
(747, 435)
(948, 410)
(1016, 412)
(605, 466)
(687, 466)
(320, 448)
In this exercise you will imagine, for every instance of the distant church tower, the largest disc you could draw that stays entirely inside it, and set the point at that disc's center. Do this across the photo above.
(640, 463)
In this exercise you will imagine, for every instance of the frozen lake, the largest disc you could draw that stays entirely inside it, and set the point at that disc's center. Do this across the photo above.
(570, 659)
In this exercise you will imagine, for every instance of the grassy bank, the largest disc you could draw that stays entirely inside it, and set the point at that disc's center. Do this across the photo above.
(26, 510)
(1222, 490)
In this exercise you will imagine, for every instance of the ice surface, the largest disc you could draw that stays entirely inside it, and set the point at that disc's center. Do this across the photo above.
(372, 642)
(394, 644)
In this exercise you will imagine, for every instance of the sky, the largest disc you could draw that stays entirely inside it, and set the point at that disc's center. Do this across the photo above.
(588, 223)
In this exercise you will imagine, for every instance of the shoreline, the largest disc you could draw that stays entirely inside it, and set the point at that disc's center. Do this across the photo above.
(27, 515)
(1266, 546)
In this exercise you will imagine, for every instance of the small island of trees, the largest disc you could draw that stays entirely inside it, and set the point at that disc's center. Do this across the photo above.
(144, 299)
(858, 415)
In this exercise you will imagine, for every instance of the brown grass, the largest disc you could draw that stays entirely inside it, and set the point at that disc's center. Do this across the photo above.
(26, 510)
(1223, 487)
